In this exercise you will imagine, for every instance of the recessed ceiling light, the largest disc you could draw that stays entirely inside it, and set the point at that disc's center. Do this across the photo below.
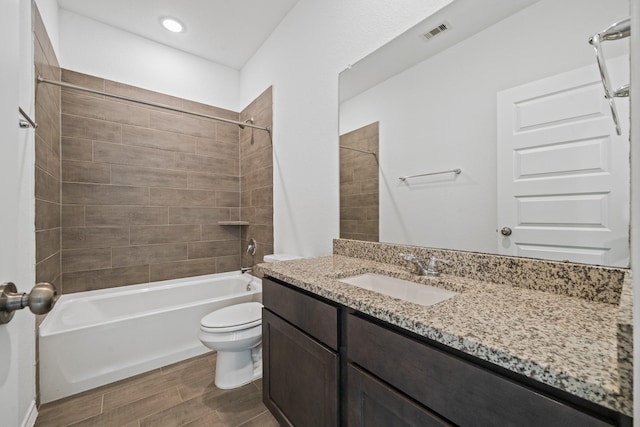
(172, 25)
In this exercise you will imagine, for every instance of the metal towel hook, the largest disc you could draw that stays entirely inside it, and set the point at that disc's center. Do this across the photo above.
(27, 122)
(616, 31)
(41, 300)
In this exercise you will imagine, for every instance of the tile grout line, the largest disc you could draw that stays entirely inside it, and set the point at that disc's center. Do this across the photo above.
(182, 399)
(251, 419)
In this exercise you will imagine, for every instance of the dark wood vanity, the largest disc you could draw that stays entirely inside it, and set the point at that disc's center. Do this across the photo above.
(301, 360)
(329, 365)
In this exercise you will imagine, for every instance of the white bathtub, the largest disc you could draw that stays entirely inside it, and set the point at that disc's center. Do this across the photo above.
(97, 337)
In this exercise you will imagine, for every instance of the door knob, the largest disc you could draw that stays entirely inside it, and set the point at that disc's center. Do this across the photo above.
(505, 231)
(41, 300)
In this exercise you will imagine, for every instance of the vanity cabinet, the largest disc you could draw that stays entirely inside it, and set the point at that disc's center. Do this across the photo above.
(328, 365)
(457, 390)
(300, 357)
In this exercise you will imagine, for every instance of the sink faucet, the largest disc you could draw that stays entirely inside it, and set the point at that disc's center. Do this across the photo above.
(416, 265)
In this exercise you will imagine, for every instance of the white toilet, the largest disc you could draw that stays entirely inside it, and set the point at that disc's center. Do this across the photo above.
(236, 333)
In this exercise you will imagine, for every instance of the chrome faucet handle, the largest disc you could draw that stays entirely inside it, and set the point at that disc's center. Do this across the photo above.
(433, 260)
(412, 263)
(432, 268)
(408, 257)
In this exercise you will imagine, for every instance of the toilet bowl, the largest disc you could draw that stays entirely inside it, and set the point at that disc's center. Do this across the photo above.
(236, 333)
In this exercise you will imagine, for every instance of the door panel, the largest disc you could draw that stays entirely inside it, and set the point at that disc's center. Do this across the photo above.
(563, 173)
(17, 234)
(571, 104)
(562, 159)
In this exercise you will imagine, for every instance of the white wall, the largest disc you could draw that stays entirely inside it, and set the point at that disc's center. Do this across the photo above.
(49, 13)
(302, 59)
(94, 48)
(441, 114)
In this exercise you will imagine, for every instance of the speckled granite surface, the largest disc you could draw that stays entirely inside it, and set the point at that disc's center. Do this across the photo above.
(603, 284)
(625, 337)
(567, 342)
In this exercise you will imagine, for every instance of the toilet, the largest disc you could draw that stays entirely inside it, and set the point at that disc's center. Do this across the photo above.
(235, 332)
(280, 257)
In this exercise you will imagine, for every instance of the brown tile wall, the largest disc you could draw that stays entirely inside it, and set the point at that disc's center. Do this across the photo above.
(359, 194)
(256, 177)
(143, 189)
(47, 167)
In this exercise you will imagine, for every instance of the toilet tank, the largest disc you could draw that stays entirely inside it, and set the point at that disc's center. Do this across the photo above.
(280, 257)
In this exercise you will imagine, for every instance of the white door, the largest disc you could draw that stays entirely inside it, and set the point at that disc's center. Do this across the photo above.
(17, 338)
(563, 172)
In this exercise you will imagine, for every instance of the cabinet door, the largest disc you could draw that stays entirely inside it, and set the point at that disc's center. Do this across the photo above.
(372, 403)
(300, 378)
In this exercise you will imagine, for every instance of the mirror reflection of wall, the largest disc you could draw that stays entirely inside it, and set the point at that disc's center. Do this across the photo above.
(440, 114)
(359, 198)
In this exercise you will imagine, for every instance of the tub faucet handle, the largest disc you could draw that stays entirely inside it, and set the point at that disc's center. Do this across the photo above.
(251, 247)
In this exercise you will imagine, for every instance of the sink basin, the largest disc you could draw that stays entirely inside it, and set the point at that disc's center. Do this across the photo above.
(402, 289)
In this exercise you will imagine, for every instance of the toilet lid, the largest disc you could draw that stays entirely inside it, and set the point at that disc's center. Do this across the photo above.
(239, 315)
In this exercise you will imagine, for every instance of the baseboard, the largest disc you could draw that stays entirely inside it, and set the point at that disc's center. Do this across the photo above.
(32, 414)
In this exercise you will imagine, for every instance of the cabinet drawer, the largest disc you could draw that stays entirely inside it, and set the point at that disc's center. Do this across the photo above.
(459, 391)
(313, 316)
(372, 403)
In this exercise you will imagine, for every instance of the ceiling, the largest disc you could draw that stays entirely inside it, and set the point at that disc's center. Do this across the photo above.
(464, 19)
(227, 32)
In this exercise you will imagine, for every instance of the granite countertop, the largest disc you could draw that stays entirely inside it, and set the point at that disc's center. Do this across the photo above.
(566, 342)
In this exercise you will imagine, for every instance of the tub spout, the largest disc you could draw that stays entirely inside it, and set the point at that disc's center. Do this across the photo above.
(246, 270)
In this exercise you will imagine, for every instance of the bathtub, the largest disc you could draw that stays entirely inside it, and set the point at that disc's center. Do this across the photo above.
(97, 337)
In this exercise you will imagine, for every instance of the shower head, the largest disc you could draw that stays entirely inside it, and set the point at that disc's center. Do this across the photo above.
(248, 121)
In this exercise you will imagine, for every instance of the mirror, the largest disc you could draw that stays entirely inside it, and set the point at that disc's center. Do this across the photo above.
(434, 103)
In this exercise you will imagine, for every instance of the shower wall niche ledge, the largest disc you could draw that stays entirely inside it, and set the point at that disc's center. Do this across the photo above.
(233, 222)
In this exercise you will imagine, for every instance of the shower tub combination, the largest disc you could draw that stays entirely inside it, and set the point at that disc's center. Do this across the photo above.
(97, 337)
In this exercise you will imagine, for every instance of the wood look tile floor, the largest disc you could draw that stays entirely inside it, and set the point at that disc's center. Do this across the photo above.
(182, 394)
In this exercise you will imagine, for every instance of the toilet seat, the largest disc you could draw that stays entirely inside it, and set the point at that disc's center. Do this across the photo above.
(233, 318)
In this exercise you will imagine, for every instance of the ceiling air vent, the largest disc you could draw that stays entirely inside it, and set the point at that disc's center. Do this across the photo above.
(437, 30)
